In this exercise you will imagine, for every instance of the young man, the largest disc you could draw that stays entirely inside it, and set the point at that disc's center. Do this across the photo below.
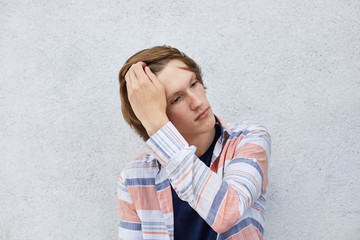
(201, 178)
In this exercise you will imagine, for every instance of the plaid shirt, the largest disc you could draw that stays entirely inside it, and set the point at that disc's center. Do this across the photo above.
(229, 195)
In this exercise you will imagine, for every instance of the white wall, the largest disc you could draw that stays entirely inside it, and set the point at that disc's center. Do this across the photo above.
(294, 66)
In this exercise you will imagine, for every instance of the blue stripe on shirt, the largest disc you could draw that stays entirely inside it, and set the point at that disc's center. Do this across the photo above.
(216, 203)
(129, 225)
(239, 226)
(140, 182)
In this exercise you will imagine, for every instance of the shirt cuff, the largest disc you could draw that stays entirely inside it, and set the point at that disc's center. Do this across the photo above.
(167, 143)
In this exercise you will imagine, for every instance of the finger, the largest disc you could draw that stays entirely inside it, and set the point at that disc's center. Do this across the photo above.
(127, 79)
(142, 64)
(130, 78)
(141, 76)
(133, 79)
(153, 78)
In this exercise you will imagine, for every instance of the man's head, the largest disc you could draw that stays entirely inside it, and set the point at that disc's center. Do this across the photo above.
(156, 58)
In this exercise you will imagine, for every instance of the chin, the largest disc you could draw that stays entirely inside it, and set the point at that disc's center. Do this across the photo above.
(210, 123)
(212, 118)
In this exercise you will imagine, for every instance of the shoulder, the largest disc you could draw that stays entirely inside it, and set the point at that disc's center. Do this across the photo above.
(251, 137)
(248, 133)
(245, 128)
(144, 165)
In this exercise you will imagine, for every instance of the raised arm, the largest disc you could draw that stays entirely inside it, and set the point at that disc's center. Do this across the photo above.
(220, 201)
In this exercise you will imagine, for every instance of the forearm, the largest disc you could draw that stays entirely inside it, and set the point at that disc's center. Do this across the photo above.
(219, 201)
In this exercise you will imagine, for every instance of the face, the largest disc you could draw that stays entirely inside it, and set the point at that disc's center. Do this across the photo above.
(187, 106)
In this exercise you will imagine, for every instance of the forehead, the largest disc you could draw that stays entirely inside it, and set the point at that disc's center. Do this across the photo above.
(173, 76)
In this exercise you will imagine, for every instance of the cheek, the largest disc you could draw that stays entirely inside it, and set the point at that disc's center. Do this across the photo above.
(201, 91)
(175, 114)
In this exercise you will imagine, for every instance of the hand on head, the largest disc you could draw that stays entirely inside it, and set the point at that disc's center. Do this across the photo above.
(147, 97)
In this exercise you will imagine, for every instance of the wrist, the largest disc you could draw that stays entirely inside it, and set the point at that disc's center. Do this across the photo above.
(156, 125)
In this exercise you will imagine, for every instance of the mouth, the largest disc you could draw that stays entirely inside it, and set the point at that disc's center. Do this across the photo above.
(203, 115)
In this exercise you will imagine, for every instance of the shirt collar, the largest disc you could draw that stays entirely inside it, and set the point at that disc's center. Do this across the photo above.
(225, 130)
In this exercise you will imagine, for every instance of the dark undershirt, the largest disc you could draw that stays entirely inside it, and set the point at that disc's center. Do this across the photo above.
(187, 222)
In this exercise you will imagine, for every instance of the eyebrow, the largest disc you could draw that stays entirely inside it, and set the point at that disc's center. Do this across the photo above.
(177, 92)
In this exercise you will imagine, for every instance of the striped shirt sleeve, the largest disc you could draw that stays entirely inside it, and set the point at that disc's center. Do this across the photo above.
(221, 202)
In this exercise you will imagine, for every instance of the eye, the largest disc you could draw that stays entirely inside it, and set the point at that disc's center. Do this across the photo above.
(175, 100)
(194, 83)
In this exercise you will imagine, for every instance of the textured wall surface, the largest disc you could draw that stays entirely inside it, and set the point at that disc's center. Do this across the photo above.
(293, 66)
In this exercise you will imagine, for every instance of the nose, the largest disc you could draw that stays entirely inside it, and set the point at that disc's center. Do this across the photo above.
(195, 101)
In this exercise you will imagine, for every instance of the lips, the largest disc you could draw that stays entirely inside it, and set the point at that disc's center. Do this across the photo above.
(203, 115)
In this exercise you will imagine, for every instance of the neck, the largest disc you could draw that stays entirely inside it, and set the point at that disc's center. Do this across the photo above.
(202, 142)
